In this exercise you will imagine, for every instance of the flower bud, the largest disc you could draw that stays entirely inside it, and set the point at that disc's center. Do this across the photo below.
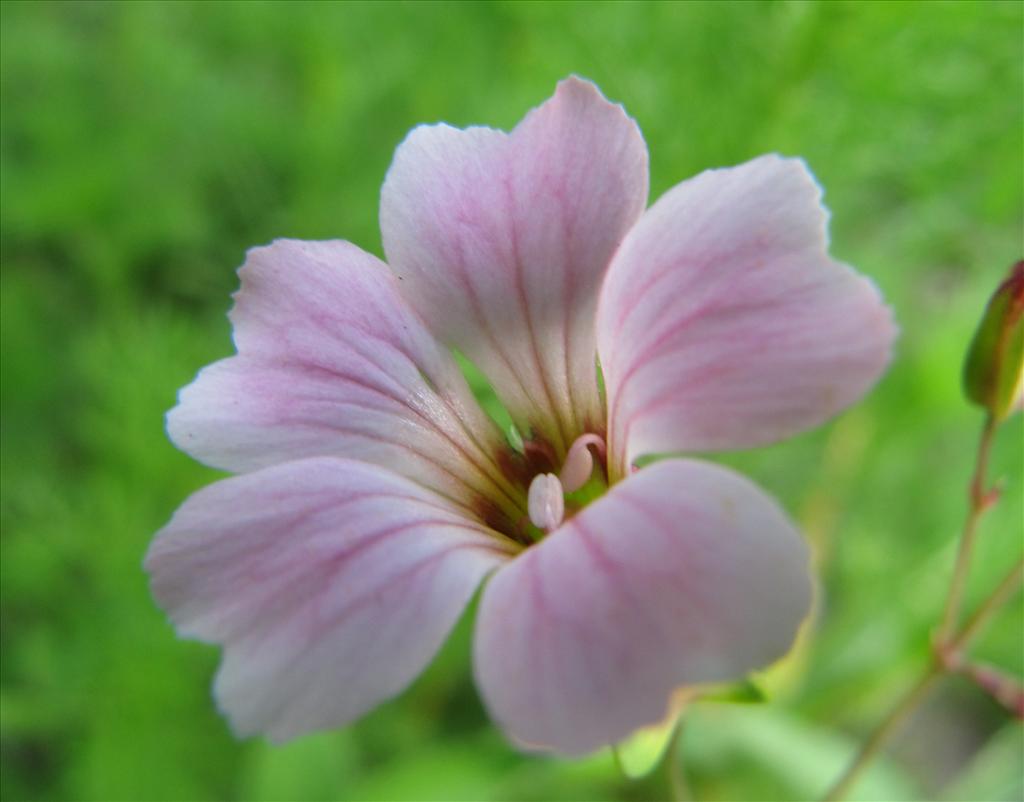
(994, 370)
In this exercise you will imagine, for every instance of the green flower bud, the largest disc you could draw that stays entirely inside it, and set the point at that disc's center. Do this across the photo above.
(994, 370)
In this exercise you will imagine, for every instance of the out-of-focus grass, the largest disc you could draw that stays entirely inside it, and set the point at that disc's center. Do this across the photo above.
(145, 146)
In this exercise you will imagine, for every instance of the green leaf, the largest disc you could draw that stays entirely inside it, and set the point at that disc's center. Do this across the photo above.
(643, 751)
(746, 692)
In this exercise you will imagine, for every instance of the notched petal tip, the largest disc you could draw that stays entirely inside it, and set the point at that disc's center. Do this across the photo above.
(577, 87)
(501, 241)
(332, 360)
(329, 583)
(736, 329)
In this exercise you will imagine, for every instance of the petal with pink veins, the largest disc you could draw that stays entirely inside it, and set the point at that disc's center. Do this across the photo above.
(502, 239)
(684, 573)
(332, 361)
(330, 584)
(724, 323)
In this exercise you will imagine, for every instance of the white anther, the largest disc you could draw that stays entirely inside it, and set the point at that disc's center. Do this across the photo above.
(579, 462)
(545, 501)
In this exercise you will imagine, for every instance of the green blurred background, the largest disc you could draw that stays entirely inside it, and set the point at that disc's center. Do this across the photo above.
(146, 146)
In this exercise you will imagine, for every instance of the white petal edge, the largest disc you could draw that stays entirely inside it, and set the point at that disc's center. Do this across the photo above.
(501, 241)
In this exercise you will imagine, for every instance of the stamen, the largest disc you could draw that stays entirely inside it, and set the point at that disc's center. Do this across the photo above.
(546, 501)
(579, 462)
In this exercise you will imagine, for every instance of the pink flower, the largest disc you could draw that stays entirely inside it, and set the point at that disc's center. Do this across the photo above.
(375, 495)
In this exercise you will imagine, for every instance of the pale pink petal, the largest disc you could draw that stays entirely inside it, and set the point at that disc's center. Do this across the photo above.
(724, 323)
(330, 584)
(683, 573)
(502, 239)
(332, 361)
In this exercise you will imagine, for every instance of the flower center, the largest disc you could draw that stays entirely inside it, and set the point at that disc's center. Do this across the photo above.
(546, 499)
(579, 462)
(546, 502)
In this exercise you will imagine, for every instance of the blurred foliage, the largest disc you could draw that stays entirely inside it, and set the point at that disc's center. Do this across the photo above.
(145, 146)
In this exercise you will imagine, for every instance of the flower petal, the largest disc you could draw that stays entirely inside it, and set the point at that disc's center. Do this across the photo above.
(330, 583)
(332, 361)
(502, 239)
(684, 573)
(724, 323)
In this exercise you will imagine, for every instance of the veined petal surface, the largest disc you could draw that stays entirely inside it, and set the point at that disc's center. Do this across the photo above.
(330, 584)
(684, 573)
(332, 361)
(723, 322)
(501, 240)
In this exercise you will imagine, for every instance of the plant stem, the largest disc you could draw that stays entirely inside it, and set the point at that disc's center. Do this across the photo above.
(889, 724)
(948, 648)
(1002, 593)
(1004, 590)
(676, 778)
(979, 501)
